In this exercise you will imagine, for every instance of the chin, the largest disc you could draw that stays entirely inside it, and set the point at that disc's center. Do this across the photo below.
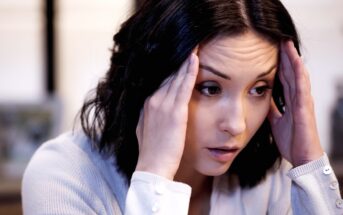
(215, 169)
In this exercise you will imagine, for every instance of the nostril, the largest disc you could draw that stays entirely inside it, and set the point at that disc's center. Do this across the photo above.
(233, 128)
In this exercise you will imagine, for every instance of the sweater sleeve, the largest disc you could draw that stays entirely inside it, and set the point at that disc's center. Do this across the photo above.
(315, 189)
(153, 194)
(60, 179)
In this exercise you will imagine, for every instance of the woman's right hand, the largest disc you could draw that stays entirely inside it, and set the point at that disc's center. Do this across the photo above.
(161, 130)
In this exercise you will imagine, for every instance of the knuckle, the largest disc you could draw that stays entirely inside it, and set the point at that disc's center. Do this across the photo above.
(152, 103)
(145, 105)
(137, 131)
(311, 103)
(138, 128)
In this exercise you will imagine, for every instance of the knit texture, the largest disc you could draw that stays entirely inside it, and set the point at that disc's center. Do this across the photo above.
(67, 176)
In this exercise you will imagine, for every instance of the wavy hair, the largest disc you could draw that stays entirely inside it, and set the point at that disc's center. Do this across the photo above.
(151, 45)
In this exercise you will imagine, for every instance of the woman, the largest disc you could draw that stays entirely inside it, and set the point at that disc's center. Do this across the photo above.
(205, 109)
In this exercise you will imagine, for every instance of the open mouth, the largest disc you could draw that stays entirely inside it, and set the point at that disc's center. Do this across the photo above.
(219, 150)
(223, 154)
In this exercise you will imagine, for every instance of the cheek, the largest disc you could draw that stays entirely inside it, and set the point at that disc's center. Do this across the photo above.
(199, 121)
(258, 113)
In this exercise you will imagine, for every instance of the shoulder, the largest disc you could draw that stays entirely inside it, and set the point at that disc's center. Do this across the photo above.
(67, 169)
(69, 153)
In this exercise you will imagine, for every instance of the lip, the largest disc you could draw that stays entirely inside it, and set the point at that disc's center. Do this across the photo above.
(222, 153)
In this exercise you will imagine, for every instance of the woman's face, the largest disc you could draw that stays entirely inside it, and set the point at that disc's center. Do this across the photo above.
(230, 101)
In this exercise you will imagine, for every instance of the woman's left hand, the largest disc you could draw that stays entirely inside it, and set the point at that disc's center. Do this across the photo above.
(295, 131)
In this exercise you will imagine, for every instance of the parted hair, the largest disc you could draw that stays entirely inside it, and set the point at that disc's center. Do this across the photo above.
(151, 45)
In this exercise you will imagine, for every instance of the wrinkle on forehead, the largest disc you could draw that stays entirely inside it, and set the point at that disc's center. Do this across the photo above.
(249, 48)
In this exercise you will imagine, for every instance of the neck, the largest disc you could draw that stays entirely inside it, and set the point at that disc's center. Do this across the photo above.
(201, 189)
(201, 184)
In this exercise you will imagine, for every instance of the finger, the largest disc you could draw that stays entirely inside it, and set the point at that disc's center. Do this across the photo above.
(177, 81)
(303, 84)
(292, 53)
(186, 89)
(286, 92)
(161, 92)
(302, 80)
(167, 81)
(196, 50)
(288, 71)
(181, 74)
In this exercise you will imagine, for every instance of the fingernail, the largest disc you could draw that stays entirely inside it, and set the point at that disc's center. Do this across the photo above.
(302, 58)
(191, 59)
(291, 43)
(196, 49)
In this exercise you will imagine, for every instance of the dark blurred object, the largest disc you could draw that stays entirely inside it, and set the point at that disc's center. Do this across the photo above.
(23, 127)
(138, 4)
(337, 136)
(337, 126)
(50, 46)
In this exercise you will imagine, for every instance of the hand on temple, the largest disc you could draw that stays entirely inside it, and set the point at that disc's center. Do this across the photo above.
(161, 129)
(295, 131)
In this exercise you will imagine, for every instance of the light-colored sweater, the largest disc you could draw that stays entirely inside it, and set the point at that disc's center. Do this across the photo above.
(66, 176)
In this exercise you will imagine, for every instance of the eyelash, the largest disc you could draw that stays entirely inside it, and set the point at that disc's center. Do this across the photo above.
(202, 87)
(264, 90)
(217, 90)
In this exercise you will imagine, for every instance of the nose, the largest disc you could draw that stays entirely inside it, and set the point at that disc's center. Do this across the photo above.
(233, 120)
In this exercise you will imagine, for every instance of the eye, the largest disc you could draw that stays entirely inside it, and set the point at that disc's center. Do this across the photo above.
(209, 88)
(259, 91)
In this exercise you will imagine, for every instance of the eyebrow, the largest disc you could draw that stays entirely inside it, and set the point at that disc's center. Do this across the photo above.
(222, 75)
(267, 72)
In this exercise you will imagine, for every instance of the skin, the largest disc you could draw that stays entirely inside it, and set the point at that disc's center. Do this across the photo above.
(215, 99)
(227, 106)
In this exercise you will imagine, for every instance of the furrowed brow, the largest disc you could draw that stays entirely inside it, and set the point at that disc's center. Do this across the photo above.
(214, 71)
(267, 72)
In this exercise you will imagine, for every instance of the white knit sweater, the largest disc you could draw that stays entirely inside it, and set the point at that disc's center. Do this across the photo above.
(66, 176)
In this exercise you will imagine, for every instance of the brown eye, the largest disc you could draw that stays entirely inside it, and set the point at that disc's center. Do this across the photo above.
(208, 88)
(259, 91)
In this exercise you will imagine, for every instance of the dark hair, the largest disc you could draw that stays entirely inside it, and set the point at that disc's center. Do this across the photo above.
(151, 45)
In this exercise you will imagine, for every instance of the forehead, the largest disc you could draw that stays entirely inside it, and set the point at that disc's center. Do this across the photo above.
(247, 51)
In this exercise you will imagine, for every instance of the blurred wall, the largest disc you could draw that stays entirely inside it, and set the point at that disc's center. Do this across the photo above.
(85, 35)
(320, 24)
(21, 51)
(84, 38)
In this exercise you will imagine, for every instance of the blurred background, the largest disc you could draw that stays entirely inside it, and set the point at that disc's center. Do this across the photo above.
(52, 53)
